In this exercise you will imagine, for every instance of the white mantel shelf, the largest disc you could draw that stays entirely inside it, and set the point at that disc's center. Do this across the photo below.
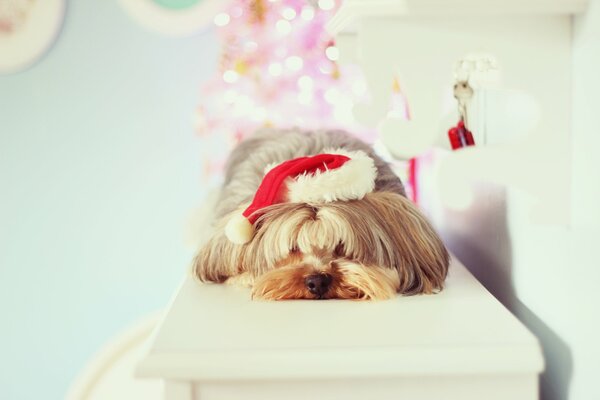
(217, 333)
(353, 9)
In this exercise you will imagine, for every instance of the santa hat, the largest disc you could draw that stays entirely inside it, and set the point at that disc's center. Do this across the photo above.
(333, 176)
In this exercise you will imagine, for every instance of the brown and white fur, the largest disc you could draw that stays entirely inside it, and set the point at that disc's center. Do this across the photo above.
(372, 248)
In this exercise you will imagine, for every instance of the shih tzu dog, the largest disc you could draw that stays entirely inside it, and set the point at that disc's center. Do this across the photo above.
(318, 215)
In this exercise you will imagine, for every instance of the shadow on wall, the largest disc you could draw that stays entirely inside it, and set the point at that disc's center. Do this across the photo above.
(485, 248)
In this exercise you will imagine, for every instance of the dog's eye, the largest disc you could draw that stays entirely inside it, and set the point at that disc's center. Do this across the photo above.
(339, 250)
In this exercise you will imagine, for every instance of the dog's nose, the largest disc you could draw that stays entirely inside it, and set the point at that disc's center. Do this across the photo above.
(318, 284)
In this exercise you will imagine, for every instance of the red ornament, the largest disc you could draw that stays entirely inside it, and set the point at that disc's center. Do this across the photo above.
(460, 136)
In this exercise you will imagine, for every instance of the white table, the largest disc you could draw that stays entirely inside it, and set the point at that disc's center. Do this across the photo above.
(217, 344)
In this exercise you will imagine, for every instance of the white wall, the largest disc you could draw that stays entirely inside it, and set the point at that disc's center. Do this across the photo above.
(99, 168)
(548, 275)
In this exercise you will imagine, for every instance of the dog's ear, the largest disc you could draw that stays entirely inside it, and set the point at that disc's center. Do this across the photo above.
(410, 244)
(218, 259)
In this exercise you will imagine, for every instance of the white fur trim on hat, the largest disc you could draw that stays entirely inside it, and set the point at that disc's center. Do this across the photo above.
(352, 181)
(238, 229)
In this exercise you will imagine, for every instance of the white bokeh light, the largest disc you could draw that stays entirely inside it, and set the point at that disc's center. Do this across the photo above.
(305, 82)
(275, 69)
(250, 46)
(284, 27)
(307, 13)
(222, 19)
(289, 13)
(230, 76)
(333, 53)
(326, 5)
(294, 63)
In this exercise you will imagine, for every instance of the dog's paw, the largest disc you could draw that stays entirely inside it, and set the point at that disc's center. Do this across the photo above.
(243, 280)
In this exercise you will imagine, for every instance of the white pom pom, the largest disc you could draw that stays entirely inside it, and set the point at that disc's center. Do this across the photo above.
(239, 230)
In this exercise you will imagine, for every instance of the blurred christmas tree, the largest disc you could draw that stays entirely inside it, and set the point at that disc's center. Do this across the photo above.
(278, 68)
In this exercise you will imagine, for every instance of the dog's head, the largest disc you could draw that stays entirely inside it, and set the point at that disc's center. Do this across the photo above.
(368, 248)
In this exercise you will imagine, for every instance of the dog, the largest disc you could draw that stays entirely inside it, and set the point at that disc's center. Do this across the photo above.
(318, 215)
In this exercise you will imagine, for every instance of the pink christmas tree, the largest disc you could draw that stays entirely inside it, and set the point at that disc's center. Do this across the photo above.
(278, 68)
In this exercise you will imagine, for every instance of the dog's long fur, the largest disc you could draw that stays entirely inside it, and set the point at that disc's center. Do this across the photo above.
(372, 248)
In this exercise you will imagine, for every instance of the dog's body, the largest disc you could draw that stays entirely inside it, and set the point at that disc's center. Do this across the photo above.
(372, 247)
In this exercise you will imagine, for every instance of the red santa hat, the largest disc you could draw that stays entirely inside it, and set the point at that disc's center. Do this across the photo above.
(333, 176)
